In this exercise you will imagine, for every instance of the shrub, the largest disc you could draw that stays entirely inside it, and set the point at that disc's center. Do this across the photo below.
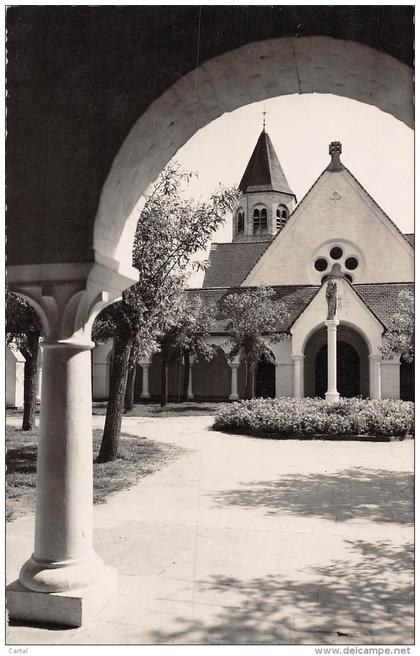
(284, 418)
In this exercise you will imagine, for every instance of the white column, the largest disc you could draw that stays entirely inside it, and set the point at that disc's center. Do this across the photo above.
(145, 394)
(63, 558)
(234, 381)
(190, 395)
(64, 581)
(298, 375)
(331, 395)
(375, 375)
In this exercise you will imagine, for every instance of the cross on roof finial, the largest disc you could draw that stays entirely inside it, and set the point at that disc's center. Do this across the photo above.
(335, 152)
(264, 115)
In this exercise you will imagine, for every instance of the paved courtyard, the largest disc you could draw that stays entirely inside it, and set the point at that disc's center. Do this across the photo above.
(251, 541)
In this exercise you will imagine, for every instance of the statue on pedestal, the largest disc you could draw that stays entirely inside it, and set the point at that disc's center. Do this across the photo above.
(331, 295)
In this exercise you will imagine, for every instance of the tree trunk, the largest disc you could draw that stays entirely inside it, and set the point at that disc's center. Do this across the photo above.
(250, 392)
(186, 375)
(117, 387)
(30, 381)
(164, 377)
(129, 392)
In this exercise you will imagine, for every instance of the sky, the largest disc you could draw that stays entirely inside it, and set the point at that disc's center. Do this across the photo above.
(378, 150)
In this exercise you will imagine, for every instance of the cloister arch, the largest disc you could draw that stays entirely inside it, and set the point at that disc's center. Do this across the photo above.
(254, 72)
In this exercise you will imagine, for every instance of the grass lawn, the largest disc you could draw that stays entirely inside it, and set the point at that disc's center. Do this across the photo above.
(188, 409)
(137, 457)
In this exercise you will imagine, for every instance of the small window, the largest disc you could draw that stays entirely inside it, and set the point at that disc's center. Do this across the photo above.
(351, 263)
(349, 277)
(241, 221)
(256, 221)
(336, 252)
(323, 279)
(263, 219)
(260, 220)
(321, 264)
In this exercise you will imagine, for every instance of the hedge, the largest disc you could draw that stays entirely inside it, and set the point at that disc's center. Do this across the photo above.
(286, 418)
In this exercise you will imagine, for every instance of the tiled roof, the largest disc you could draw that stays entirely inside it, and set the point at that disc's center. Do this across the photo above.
(295, 298)
(230, 263)
(380, 298)
(264, 172)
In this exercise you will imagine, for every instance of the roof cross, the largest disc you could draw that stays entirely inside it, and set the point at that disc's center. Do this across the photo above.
(264, 113)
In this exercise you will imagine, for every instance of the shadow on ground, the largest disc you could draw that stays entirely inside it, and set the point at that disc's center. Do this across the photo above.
(22, 460)
(170, 410)
(358, 493)
(365, 599)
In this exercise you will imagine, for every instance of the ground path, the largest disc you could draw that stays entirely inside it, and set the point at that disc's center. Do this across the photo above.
(251, 541)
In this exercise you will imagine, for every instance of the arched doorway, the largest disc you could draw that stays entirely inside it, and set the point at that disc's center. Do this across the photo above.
(348, 370)
(352, 363)
(265, 380)
(407, 381)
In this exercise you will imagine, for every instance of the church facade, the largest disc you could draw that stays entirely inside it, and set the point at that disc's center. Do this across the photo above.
(338, 239)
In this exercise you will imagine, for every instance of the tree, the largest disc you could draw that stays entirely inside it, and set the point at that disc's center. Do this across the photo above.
(170, 230)
(189, 337)
(253, 319)
(23, 329)
(399, 338)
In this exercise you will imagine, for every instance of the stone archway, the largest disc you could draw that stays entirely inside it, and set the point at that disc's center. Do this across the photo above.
(352, 363)
(254, 72)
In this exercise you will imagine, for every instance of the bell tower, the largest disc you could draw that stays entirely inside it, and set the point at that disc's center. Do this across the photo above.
(267, 200)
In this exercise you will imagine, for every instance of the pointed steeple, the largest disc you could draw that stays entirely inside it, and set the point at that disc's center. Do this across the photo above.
(264, 172)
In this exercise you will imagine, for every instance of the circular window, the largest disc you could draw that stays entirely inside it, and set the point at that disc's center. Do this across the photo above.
(351, 263)
(336, 253)
(348, 276)
(321, 264)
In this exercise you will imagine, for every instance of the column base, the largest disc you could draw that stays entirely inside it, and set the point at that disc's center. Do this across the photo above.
(332, 397)
(233, 397)
(145, 395)
(72, 609)
(190, 397)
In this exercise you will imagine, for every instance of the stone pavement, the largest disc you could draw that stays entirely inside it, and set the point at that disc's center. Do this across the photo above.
(251, 541)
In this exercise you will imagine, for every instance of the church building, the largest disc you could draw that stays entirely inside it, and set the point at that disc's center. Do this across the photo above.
(336, 236)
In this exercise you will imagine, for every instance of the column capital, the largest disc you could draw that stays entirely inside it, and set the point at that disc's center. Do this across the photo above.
(297, 356)
(375, 357)
(67, 297)
(234, 365)
(331, 323)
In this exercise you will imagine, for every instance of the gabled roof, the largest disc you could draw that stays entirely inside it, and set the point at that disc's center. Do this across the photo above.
(409, 238)
(230, 263)
(380, 298)
(406, 237)
(264, 172)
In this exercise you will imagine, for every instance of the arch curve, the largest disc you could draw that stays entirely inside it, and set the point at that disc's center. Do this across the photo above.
(251, 73)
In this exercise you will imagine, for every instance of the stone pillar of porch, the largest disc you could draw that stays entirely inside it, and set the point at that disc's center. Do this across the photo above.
(64, 582)
(145, 365)
(375, 375)
(332, 395)
(298, 375)
(234, 366)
